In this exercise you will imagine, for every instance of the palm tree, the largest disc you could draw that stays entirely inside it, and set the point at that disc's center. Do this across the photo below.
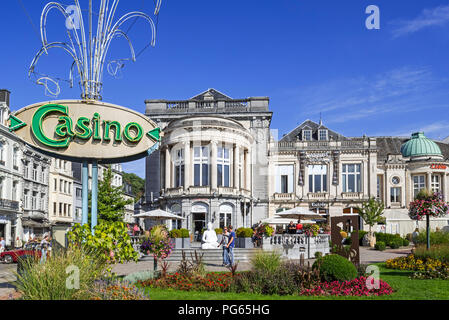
(371, 212)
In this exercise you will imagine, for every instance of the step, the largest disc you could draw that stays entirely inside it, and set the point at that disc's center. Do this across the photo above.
(210, 255)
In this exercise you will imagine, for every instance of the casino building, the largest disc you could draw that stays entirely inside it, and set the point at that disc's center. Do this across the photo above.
(219, 162)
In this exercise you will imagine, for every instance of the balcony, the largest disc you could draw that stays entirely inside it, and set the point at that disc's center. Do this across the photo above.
(284, 196)
(352, 195)
(318, 195)
(9, 205)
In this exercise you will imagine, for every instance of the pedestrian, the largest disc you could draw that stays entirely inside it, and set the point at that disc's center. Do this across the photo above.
(291, 228)
(18, 243)
(299, 229)
(230, 245)
(136, 230)
(415, 235)
(2, 245)
(44, 248)
(224, 242)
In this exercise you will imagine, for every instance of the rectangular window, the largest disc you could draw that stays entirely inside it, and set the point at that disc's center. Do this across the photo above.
(435, 183)
(34, 201)
(322, 135)
(54, 208)
(201, 166)
(178, 162)
(60, 209)
(307, 135)
(35, 172)
(61, 186)
(26, 199)
(284, 179)
(14, 191)
(223, 162)
(395, 196)
(352, 178)
(419, 183)
(56, 184)
(379, 187)
(15, 159)
(284, 184)
(317, 178)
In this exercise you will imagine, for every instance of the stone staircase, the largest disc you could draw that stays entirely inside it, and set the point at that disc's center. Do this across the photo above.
(210, 255)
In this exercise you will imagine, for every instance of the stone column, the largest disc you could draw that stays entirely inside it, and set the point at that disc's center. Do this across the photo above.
(428, 182)
(236, 167)
(187, 165)
(213, 165)
(247, 170)
(167, 168)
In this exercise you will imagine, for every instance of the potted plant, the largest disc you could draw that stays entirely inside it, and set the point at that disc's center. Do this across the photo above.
(175, 236)
(186, 239)
(244, 238)
(219, 232)
(371, 212)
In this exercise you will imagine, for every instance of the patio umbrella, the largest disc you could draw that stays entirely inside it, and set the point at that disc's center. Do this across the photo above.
(158, 214)
(300, 213)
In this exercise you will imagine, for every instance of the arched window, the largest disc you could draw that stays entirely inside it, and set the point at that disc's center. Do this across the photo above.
(2, 153)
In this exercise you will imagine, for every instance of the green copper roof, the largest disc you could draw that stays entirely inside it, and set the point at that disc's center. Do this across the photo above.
(419, 145)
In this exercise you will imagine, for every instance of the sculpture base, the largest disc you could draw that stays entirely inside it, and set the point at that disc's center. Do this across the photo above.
(209, 245)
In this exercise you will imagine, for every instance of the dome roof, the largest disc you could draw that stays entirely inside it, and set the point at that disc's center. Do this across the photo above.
(420, 145)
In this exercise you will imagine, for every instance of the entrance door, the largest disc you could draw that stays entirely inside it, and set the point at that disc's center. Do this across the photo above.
(199, 222)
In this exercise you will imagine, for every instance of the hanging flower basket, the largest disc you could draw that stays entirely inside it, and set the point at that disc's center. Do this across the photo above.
(432, 206)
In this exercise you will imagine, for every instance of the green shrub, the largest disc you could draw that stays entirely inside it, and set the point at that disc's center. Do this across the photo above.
(405, 242)
(380, 245)
(396, 243)
(48, 281)
(184, 233)
(219, 231)
(388, 238)
(244, 232)
(175, 233)
(436, 237)
(318, 255)
(266, 260)
(334, 267)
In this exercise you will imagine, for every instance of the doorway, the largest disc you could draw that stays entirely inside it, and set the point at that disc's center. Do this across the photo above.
(199, 222)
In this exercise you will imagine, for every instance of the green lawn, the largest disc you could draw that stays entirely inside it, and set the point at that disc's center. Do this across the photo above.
(404, 287)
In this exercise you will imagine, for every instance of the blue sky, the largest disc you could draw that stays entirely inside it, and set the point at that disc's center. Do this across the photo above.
(307, 56)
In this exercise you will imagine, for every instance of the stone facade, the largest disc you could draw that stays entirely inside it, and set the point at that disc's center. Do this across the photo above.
(212, 163)
(312, 167)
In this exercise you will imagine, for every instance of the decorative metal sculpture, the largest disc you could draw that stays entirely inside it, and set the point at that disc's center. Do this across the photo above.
(350, 225)
(88, 51)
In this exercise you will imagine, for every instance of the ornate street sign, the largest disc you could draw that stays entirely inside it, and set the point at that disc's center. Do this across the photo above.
(80, 130)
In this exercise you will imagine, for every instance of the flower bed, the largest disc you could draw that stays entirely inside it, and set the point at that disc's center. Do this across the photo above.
(103, 290)
(209, 282)
(356, 287)
(219, 282)
(415, 264)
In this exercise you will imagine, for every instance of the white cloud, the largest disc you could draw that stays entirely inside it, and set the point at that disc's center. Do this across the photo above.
(403, 89)
(438, 16)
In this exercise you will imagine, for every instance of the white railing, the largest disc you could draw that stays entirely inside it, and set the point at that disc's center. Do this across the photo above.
(292, 246)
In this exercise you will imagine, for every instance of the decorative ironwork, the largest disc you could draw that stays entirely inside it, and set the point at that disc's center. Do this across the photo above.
(88, 51)
(349, 224)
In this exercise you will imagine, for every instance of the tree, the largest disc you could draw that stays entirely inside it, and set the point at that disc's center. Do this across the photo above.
(111, 203)
(371, 212)
(137, 184)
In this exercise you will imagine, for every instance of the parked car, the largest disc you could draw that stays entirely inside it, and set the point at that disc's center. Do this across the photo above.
(31, 249)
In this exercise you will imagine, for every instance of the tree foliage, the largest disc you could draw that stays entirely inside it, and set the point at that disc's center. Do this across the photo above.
(111, 201)
(110, 240)
(137, 184)
(371, 211)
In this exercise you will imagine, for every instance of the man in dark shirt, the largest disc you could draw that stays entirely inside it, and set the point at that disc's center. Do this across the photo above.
(291, 228)
(231, 245)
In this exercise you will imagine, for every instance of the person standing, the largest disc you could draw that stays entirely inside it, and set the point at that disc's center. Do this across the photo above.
(44, 248)
(224, 242)
(291, 228)
(2, 245)
(18, 243)
(230, 245)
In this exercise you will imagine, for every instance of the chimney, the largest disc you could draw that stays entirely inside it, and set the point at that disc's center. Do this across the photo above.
(4, 96)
